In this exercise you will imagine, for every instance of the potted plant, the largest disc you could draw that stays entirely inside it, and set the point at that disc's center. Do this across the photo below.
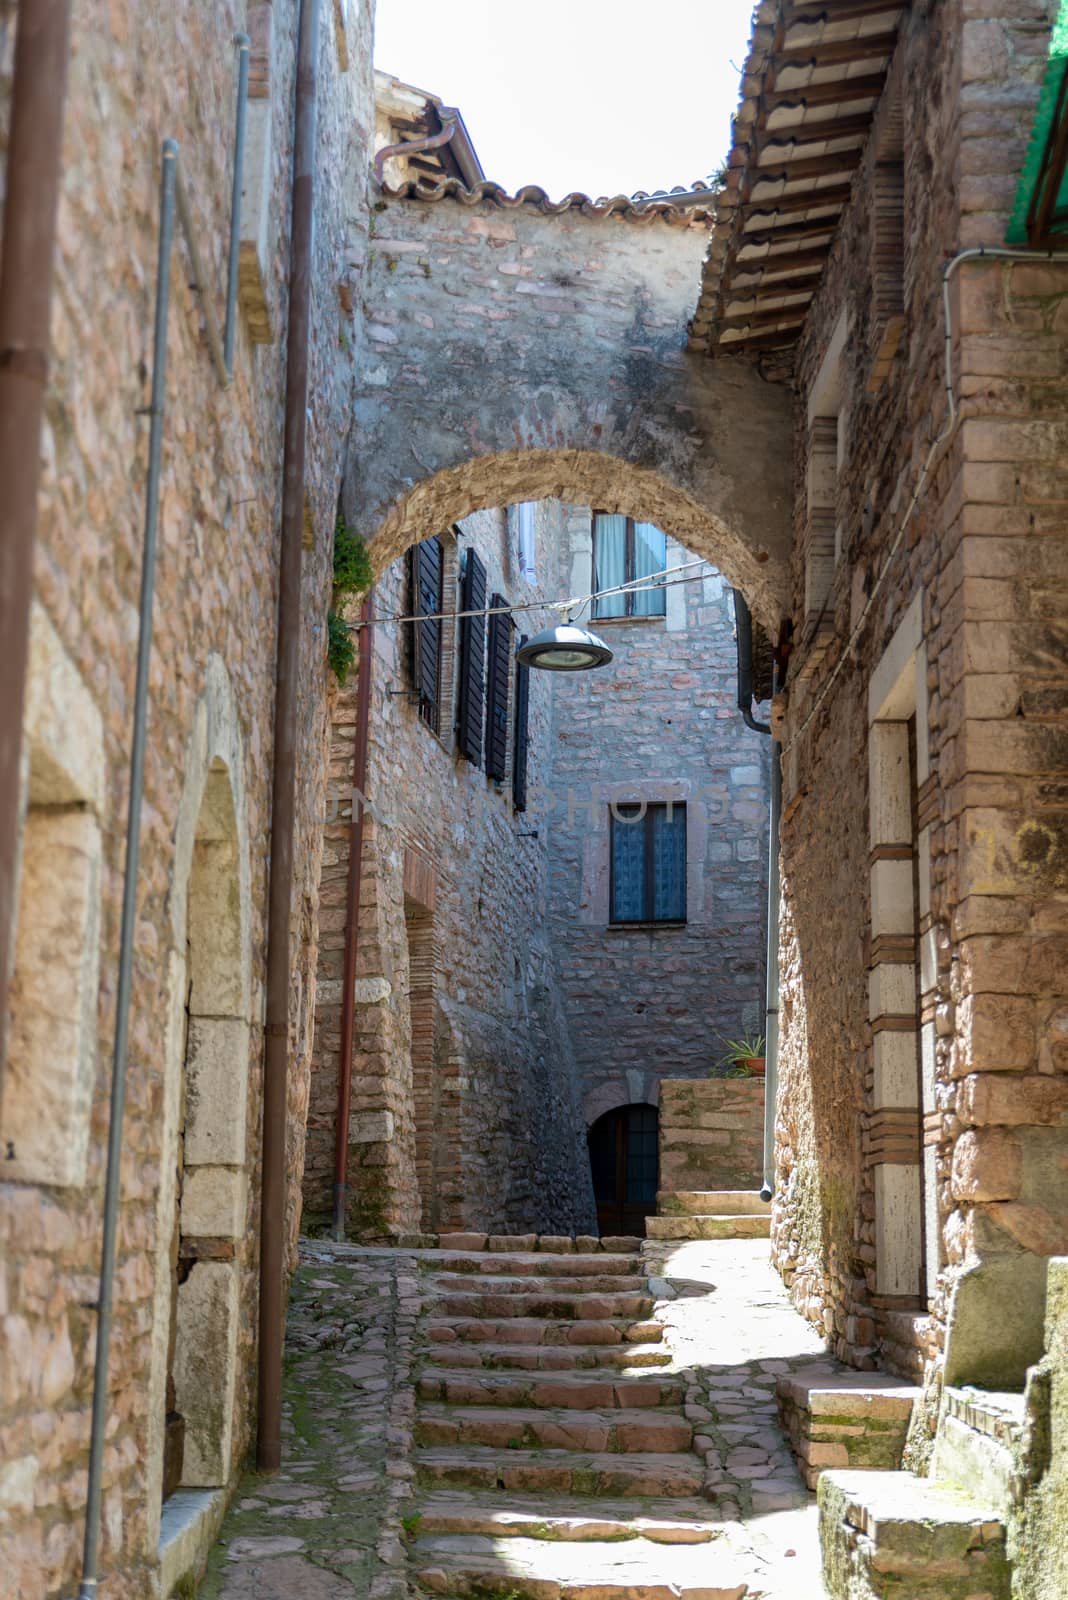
(744, 1057)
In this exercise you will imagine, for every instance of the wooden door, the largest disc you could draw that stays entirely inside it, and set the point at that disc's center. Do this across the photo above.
(624, 1161)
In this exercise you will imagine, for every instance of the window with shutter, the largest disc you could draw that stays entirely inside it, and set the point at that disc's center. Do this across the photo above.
(428, 567)
(500, 665)
(522, 733)
(625, 551)
(472, 660)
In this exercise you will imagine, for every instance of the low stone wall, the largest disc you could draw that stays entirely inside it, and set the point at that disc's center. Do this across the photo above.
(711, 1133)
(845, 1419)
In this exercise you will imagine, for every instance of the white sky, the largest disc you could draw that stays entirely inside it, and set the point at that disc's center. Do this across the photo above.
(604, 96)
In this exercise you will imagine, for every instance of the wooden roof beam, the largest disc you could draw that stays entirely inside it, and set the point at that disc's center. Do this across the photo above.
(838, 52)
(844, 161)
(820, 200)
(838, 91)
(812, 12)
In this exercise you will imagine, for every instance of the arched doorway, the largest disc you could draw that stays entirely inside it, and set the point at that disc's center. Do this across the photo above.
(624, 1160)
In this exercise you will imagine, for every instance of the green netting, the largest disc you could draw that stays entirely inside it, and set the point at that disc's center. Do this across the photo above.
(1056, 67)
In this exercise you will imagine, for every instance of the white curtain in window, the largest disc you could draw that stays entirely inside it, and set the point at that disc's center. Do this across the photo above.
(525, 525)
(650, 555)
(610, 563)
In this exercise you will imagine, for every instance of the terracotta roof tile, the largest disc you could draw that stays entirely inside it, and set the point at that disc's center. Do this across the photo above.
(686, 208)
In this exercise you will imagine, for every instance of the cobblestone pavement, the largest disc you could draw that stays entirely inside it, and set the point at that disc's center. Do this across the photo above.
(331, 1524)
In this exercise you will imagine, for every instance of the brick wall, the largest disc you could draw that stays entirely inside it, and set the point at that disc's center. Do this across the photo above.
(660, 722)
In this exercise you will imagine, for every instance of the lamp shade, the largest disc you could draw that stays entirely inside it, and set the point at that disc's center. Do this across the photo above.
(564, 648)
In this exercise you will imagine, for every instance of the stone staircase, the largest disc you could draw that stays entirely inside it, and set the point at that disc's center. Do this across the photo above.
(710, 1214)
(552, 1451)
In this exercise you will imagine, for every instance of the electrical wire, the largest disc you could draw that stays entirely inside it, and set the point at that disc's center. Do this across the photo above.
(664, 579)
(938, 445)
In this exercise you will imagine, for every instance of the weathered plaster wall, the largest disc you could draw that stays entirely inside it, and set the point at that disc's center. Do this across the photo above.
(660, 722)
(986, 551)
(139, 74)
(495, 1139)
(511, 355)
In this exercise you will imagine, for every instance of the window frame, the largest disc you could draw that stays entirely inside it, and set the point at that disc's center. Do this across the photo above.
(647, 808)
(629, 575)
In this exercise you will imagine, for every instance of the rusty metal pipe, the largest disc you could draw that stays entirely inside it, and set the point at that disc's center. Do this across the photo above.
(352, 917)
(34, 168)
(283, 790)
(414, 147)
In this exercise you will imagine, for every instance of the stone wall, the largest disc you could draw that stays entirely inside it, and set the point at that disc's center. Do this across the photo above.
(660, 722)
(958, 623)
(711, 1133)
(137, 75)
(550, 345)
(477, 1125)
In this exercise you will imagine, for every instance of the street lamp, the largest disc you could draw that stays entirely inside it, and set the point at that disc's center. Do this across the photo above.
(564, 648)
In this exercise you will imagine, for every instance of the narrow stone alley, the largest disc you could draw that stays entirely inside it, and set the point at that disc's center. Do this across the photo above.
(513, 1415)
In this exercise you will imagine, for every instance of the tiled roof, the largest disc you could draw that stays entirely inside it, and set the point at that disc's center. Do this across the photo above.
(686, 208)
(810, 88)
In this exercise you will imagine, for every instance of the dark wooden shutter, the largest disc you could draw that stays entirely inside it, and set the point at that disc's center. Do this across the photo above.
(472, 660)
(428, 566)
(500, 664)
(522, 733)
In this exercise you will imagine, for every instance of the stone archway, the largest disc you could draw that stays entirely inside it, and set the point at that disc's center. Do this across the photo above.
(518, 355)
(202, 1204)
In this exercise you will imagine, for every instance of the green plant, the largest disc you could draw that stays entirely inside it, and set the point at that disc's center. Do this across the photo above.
(734, 1062)
(411, 1522)
(353, 573)
(340, 650)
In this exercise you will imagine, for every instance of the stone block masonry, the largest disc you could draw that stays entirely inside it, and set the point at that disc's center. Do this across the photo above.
(711, 1133)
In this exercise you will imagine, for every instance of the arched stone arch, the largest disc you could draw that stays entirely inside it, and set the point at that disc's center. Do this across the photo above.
(583, 477)
(629, 1089)
(510, 355)
(204, 1144)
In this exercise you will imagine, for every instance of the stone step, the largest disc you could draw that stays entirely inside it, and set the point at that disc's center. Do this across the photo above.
(568, 1472)
(527, 1428)
(893, 1536)
(537, 1266)
(500, 1283)
(710, 1227)
(544, 1243)
(633, 1569)
(841, 1418)
(596, 1390)
(544, 1517)
(537, 1331)
(550, 1357)
(574, 1306)
(712, 1203)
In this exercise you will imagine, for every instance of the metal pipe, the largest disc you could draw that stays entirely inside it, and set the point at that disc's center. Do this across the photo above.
(414, 147)
(168, 186)
(771, 992)
(352, 919)
(287, 685)
(243, 44)
(200, 279)
(34, 164)
(743, 622)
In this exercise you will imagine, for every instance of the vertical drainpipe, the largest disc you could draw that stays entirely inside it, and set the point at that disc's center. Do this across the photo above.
(744, 632)
(283, 792)
(352, 917)
(34, 166)
(771, 1007)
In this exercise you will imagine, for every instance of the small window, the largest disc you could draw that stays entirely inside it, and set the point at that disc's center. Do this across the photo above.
(625, 551)
(648, 863)
(524, 516)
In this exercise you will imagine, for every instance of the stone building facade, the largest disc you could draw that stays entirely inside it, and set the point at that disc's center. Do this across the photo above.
(660, 724)
(184, 1335)
(466, 1104)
